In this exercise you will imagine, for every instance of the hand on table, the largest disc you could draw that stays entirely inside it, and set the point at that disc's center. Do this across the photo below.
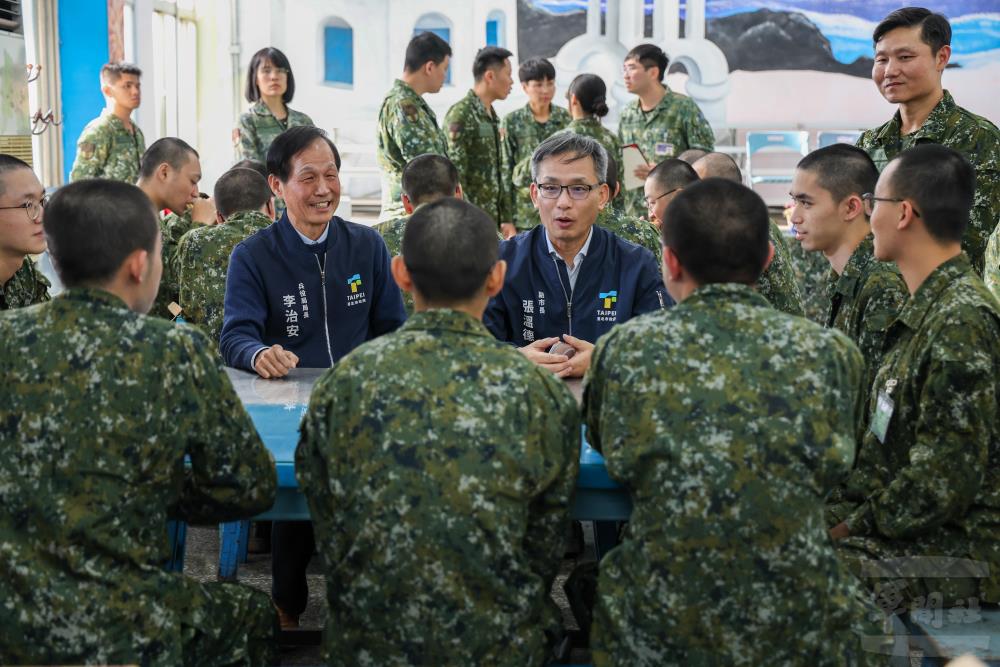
(561, 365)
(275, 362)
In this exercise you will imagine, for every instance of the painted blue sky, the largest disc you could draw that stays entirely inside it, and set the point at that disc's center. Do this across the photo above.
(848, 24)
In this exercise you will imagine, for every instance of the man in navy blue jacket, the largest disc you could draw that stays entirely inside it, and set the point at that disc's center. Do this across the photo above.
(311, 287)
(304, 291)
(569, 278)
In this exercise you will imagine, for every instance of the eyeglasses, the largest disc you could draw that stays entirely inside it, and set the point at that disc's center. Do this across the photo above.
(33, 209)
(869, 199)
(576, 191)
(268, 71)
(650, 203)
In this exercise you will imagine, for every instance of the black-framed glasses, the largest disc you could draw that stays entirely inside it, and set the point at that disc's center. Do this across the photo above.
(869, 199)
(650, 203)
(32, 209)
(554, 190)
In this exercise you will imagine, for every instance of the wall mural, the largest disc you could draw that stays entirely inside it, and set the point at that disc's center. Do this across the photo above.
(803, 35)
(751, 63)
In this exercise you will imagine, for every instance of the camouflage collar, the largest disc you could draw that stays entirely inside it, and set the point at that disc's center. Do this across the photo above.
(932, 129)
(94, 296)
(860, 260)
(446, 319)
(589, 121)
(262, 109)
(480, 108)
(725, 292)
(248, 219)
(924, 301)
(116, 122)
(402, 88)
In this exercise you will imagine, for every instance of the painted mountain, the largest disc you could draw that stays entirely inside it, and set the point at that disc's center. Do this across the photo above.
(823, 35)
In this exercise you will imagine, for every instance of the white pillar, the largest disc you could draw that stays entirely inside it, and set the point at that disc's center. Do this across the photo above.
(632, 23)
(666, 20)
(611, 20)
(694, 24)
(594, 17)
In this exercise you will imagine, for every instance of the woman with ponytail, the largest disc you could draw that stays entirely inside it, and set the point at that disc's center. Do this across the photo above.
(587, 96)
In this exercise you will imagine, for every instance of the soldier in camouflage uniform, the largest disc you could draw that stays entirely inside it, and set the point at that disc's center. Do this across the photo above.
(923, 501)
(661, 122)
(111, 145)
(407, 126)
(525, 128)
(862, 295)
(270, 87)
(245, 206)
(474, 137)
(22, 201)
(727, 460)
(170, 174)
(928, 114)
(665, 182)
(426, 178)
(587, 105)
(991, 270)
(612, 218)
(458, 473)
(101, 406)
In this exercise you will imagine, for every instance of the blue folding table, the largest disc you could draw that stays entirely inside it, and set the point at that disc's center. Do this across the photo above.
(276, 407)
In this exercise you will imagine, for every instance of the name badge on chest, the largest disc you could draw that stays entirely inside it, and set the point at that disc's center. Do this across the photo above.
(884, 407)
(664, 149)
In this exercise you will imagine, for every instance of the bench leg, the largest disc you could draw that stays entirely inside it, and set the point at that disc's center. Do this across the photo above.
(230, 541)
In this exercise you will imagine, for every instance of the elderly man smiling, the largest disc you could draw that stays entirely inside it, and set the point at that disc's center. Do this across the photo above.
(304, 291)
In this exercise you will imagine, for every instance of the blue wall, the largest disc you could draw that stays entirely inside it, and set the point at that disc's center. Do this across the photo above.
(83, 50)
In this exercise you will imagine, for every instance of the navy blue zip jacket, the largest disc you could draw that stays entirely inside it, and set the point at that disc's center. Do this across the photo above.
(617, 281)
(278, 294)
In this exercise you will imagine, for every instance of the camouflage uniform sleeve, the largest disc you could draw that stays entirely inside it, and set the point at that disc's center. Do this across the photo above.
(699, 132)
(593, 388)
(318, 482)
(232, 474)
(508, 154)
(458, 151)
(559, 422)
(848, 398)
(991, 272)
(948, 460)
(777, 283)
(414, 137)
(248, 147)
(93, 149)
(985, 214)
(884, 296)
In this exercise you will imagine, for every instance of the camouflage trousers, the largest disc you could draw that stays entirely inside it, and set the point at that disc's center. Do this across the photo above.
(182, 623)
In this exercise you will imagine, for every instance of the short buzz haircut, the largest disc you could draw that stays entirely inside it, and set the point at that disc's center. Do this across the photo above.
(290, 143)
(571, 147)
(425, 48)
(935, 31)
(692, 155)
(536, 69)
(719, 231)
(720, 165)
(842, 170)
(239, 190)
(171, 150)
(269, 54)
(93, 225)
(649, 55)
(428, 177)
(672, 173)
(111, 72)
(449, 247)
(942, 185)
(10, 163)
(487, 58)
(252, 164)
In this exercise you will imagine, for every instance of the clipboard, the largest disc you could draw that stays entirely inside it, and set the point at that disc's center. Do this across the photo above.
(632, 157)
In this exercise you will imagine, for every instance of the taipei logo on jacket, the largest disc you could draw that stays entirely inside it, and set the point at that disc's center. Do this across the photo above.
(607, 312)
(355, 296)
